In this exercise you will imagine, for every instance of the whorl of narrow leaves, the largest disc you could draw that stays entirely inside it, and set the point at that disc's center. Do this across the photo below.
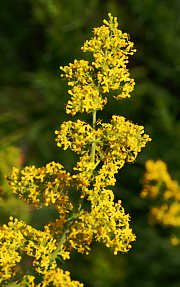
(103, 149)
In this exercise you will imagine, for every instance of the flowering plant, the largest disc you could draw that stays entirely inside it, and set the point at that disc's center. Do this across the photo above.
(83, 199)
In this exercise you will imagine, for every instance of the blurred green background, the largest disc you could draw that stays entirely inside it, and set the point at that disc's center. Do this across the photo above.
(36, 37)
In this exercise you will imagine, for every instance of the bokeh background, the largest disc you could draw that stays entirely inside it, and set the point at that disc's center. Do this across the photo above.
(36, 37)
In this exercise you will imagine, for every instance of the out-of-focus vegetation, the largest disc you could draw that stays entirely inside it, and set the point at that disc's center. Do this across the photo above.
(10, 205)
(36, 38)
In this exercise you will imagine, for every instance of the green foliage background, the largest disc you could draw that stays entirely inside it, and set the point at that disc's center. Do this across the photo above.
(38, 36)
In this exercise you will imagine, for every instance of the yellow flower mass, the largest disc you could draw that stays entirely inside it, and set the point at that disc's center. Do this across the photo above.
(108, 71)
(103, 149)
(158, 184)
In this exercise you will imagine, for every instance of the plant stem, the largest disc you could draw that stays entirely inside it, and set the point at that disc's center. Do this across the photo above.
(67, 230)
(93, 147)
(62, 240)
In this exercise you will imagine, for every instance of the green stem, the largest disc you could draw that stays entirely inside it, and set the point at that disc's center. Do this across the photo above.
(93, 147)
(68, 228)
(62, 240)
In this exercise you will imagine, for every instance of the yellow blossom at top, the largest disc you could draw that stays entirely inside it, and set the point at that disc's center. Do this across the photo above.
(107, 72)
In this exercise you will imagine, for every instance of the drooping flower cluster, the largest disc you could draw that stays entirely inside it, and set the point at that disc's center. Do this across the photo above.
(84, 201)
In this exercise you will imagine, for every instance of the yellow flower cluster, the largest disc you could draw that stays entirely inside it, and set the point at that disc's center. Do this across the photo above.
(84, 176)
(106, 221)
(159, 184)
(60, 278)
(17, 237)
(11, 240)
(118, 141)
(42, 186)
(56, 277)
(84, 200)
(111, 48)
(85, 94)
(110, 221)
(77, 136)
(174, 240)
(107, 72)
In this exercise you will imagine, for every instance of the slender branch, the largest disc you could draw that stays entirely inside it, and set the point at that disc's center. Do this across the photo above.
(62, 240)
